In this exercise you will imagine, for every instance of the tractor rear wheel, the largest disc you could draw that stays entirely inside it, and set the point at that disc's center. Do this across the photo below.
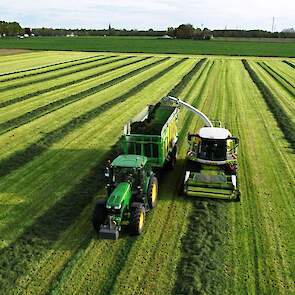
(99, 214)
(137, 219)
(153, 192)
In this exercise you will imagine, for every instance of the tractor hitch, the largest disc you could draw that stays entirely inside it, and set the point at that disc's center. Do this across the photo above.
(109, 231)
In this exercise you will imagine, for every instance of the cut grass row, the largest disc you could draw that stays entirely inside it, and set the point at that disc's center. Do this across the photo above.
(286, 125)
(285, 98)
(279, 77)
(68, 70)
(31, 60)
(92, 136)
(46, 68)
(289, 64)
(30, 91)
(54, 105)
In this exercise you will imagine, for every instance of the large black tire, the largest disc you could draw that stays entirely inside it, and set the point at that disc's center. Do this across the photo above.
(152, 193)
(99, 214)
(137, 219)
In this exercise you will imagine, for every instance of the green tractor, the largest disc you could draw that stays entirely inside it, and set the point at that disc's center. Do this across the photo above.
(132, 191)
(149, 142)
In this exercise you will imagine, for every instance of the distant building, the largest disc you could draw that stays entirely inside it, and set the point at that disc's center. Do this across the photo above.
(28, 31)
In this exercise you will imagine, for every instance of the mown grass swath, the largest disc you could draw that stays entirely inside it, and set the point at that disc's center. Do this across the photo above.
(198, 265)
(75, 81)
(55, 67)
(38, 238)
(289, 64)
(283, 121)
(278, 77)
(186, 79)
(58, 75)
(47, 66)
(53, 106)
(22, 157)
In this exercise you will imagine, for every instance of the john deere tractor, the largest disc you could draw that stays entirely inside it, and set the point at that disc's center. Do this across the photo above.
(132, 190)
(149, 142)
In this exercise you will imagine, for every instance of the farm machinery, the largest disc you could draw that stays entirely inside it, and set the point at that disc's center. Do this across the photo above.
(211, 161)
(149, 141)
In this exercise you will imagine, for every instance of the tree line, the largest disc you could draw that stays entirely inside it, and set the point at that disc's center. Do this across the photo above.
(184, 31)
(187, 31)
(10, 28)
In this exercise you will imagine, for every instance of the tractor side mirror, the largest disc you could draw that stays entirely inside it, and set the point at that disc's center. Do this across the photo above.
(191, 136)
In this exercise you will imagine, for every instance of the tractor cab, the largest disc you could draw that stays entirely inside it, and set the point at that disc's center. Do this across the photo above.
(132, 169)
(212, 145)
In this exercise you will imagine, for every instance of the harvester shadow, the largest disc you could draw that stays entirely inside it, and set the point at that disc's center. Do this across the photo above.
(40, 237)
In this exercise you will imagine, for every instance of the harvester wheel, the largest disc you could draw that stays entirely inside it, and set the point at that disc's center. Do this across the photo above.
(153, 192)
(137, 219)
(99, 214)
(237, 199)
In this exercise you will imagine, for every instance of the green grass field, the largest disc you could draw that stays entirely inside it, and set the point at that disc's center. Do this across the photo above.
(62, 114)
(154, 45)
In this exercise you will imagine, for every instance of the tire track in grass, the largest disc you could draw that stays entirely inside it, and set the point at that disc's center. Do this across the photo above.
(283, 121)
(37, 240)
(47, 66)
(53, 106)
(63, 85)
(24, 156)
(76, 62)
(58, 75)
(289, 64)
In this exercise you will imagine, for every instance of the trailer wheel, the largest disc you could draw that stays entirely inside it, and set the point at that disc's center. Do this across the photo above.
(99, 214)
(153, 192)
(137, 219)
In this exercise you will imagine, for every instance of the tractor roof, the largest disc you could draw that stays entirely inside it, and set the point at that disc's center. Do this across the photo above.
(214, 133)
(130, 161)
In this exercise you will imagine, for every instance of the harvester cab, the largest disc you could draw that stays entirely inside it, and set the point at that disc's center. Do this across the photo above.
(132, 190)
(211, 161)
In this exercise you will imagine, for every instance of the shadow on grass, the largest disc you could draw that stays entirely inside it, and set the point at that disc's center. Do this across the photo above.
(37, 239)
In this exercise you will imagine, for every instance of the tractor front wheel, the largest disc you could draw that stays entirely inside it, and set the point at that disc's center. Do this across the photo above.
(153, 192)
(99, 214)
(137, 219)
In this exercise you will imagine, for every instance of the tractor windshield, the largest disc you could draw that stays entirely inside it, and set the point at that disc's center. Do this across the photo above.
(212, 150)
(122, 174)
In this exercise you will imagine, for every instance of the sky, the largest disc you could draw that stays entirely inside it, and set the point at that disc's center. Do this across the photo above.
(140, 14)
